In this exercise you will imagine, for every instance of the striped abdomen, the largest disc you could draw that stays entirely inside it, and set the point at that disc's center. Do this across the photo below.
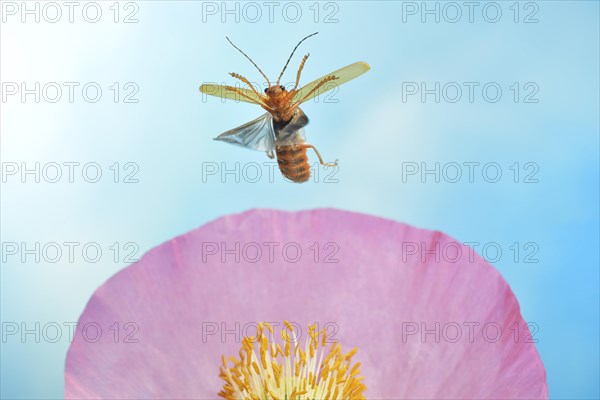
(293, 162)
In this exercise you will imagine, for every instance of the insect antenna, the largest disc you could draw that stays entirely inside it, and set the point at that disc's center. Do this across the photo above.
(259, 70)
(288, 61)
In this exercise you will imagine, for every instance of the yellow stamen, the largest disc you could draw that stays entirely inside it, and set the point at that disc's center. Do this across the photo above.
(264, 371)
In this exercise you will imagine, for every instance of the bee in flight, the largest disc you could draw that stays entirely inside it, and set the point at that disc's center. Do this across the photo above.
(281, 128)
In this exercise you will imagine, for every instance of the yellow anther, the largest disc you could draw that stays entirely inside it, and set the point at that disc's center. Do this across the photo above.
(264, 370)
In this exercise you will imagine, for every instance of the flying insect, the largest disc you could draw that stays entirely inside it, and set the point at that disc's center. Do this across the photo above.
(280, 131)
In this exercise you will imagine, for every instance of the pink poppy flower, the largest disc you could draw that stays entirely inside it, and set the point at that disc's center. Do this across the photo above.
(427, 317)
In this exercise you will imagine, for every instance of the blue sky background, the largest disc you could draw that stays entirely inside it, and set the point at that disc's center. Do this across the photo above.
(371, 129)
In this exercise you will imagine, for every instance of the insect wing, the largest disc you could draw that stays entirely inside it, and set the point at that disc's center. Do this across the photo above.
(256, 135)
(296, 137)
(291, 132)
(221, 91)
(344, 75)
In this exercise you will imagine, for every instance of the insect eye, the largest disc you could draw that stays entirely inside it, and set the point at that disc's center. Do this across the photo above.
(282, 87)
(266, 90)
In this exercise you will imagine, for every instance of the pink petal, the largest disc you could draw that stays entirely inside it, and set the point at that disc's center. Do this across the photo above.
(377, 289)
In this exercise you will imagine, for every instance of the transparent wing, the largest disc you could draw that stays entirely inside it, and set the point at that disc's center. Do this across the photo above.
(296, 137)
(256, 135)
(291, 132)
(221, 91)
(344, 75)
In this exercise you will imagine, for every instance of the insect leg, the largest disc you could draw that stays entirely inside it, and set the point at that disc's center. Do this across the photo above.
(300, 70)
(238, 91)
(310, 146)
(246, 81)
(317, 86)
(270, 154)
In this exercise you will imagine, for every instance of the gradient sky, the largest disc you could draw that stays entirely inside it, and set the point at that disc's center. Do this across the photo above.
(547, 131)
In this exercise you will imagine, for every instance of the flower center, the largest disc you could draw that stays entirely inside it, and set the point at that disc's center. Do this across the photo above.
(315, 372)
